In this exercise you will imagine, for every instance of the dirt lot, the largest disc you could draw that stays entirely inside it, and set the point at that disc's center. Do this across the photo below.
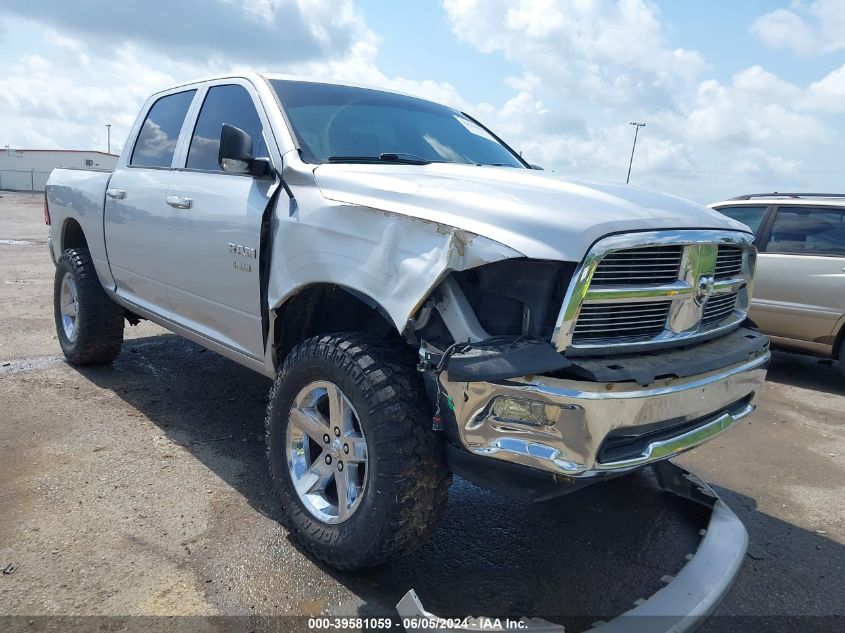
(140, 489)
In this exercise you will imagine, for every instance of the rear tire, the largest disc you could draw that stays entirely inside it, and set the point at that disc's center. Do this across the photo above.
(383, 459)
(89, 325)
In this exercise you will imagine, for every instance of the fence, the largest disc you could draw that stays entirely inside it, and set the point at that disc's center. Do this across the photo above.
(23, 180)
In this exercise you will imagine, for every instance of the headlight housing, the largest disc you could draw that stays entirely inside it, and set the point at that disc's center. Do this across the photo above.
(517, 296)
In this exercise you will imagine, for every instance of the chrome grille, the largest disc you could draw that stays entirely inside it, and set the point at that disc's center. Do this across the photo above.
(728, 262)
(602, 321)
(718, 308)
(641, 266)
(638, 290)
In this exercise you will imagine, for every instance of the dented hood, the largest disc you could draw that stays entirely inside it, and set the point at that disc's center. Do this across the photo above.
(537, 213)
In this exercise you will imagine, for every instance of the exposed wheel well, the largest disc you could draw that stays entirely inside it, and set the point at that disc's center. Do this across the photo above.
(73, 236)
(327, 309)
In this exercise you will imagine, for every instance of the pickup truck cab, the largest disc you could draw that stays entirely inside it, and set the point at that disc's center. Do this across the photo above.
(426, 301)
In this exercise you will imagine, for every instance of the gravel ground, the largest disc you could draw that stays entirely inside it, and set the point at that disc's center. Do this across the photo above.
(140, 489)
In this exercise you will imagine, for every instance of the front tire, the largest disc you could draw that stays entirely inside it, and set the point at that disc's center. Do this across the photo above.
(89, 325)
(351, 451)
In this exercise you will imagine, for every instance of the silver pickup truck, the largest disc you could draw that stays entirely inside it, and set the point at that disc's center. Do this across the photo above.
(426, 301)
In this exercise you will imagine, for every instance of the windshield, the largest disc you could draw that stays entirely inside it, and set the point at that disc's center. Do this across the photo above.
(345, 124)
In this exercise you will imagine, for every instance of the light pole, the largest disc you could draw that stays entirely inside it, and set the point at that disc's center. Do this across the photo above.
(108, 136)
(637, 127)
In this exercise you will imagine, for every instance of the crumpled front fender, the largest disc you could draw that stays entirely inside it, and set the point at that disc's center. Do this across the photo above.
(391, 258)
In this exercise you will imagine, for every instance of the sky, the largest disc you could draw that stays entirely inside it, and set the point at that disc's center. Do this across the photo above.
(737, 97)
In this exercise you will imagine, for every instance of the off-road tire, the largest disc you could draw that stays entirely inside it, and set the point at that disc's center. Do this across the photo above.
(842, 356)
(407, 481)
(99, 320)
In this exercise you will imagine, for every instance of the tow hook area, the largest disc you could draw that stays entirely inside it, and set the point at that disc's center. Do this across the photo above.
(682, 605)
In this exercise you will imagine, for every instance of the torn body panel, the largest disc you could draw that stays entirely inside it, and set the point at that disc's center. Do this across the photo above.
(682, 605)
(393, 259)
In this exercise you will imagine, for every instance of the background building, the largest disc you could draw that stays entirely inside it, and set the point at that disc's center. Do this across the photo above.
(28, 169)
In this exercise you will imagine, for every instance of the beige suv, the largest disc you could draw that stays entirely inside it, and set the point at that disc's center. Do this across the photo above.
(799, 289)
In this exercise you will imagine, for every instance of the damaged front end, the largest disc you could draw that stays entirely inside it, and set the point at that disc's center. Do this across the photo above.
(538, 435)
(531, 421)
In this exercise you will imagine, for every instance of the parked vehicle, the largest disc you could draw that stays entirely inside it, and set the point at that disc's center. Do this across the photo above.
(426, 302)
(799, 289)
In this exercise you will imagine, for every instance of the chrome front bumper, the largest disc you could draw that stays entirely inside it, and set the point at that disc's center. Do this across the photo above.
(701, 407)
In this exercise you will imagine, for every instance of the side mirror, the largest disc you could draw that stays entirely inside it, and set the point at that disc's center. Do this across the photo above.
(537, 167)
(235, 153)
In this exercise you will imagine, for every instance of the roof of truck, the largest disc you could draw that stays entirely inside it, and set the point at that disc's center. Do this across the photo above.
(253, 76)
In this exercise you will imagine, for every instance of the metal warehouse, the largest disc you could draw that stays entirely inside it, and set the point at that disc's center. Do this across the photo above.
(28, 169)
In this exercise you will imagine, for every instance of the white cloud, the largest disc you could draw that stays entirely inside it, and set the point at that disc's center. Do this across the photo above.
(527, 81)
(785, 29)
(756, 108)
(55, 102)
(604, 51)
(216, 31)
(815, 29)
(584, 68)
(74, 51)
(61, 98)
(604, 153)
(828, 93)
(588, 66)
(758, 161)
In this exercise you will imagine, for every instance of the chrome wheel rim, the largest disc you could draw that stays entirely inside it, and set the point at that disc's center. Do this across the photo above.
(326, 452)
(69, 306)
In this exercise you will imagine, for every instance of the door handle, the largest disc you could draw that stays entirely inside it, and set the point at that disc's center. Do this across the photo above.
(179, 202)
(117, 194)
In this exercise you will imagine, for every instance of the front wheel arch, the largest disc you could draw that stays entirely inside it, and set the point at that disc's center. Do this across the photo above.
(325, 308)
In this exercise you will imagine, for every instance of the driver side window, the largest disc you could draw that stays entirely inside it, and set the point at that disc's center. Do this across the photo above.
(223, 104)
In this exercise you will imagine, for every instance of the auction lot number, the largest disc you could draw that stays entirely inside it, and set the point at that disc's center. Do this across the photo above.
(413, 624)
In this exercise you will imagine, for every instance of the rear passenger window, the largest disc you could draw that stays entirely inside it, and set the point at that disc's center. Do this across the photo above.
(157, 140)
(223, 104)
(752, 216)
(808, 231)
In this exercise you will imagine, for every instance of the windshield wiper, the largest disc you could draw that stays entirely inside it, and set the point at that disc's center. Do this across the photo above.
(385, 157)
